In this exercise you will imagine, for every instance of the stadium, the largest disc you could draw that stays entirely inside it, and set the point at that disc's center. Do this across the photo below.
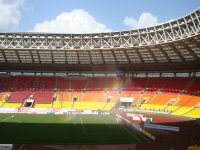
(113, 90)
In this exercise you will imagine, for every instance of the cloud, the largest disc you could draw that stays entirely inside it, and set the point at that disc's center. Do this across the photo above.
(145, 20)
(10, 14)
(77, 21)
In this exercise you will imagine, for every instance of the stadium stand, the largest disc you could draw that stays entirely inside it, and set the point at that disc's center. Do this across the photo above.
(146, 98)
(24, 83)
(65, 96)
(92, 97)
(130, 83)
(184, 81)
(43, 105)
(74, 95)
(194, 87)
(19, 96)
(140, 85)
(43, 96)
(154, 84)
(67, 105)
(89, 105)
(193, 114)
(114, 85)
(78, 85)
(4, 84)
(169, 86)
(46, 83)
(92, 84)
(101, 84)
(11, 83)
(12, 105)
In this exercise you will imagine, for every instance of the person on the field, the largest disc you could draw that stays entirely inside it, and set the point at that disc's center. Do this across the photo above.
(13, 116)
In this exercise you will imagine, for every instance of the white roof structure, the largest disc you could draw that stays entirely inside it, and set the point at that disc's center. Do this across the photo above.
(168, 47)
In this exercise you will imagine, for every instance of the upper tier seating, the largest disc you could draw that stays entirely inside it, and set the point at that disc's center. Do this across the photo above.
(154, 84)
(78, 85)
(60, 84)
(101, 84)
(46, 83)
(194, 86)
(181, 85)
(92, 84)
(130, 85)
(11, 83)
(170, 85)
(19, 96)
(43, 96)
(92, 97)
(114, 85)
(4, 84)
(89, 105)
(24, 83)
(139, 85)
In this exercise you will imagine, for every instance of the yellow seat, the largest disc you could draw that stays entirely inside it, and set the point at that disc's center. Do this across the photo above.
(89, 105)
(43, 106)
(12, 105)
(67, 105)
(109, 106)
(182, 111)
(194, 113)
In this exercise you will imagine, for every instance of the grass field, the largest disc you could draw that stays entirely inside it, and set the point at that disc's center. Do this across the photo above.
(65, 129)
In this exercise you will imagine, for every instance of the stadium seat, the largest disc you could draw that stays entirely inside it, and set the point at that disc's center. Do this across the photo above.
(12, 105)
(43, 106)
(89, 105)
(109, 106)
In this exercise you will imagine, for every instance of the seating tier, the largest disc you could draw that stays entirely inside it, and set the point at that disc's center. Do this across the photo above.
(19, 96)
(92, 97)
(12, 105)
(89, 105)
(43, 106)
(109, 106)
(194, 113)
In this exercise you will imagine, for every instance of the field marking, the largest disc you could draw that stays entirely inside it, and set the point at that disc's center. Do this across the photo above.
(107, 124)
(125, 129)
(97, 133)
(82, 125)
(7, 118)
(21, 147)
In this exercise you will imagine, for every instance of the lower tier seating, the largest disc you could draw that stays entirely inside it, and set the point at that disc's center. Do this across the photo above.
(152, 107)
(12, 105)
(57, 105)
(182, 111)
(109, 106)
(171, 108)
(89, 105)
(194, 113)
(43, 106)
(67, 105)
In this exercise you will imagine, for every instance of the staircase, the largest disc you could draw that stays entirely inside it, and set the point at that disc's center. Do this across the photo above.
(15, 82)
(151, 99)
(116, 98)
(146, 83)
(133, 86)
(139, 98)
(184, 104)
(104, 97)
(81, 97)
(175, 85)
(87, 83)
(56, 82)
(73, 104)
(189, 111)
(105, 106)
(189, 83)
(107, 83)
(35, 82)
(164, 84)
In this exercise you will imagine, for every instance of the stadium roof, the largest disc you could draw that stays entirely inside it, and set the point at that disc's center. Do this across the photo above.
(168, 47)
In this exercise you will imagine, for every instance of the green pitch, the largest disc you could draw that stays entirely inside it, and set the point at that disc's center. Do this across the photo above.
(65, 129)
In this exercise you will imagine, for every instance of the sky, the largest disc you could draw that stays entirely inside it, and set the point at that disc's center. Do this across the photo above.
(89, 16)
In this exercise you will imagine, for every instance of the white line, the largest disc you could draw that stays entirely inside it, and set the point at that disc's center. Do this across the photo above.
(107, 124)
(83, 126)
(21, 147)
(7, 118)
(126, 129)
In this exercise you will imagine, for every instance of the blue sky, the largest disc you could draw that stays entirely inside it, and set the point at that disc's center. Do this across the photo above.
(89, 16)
